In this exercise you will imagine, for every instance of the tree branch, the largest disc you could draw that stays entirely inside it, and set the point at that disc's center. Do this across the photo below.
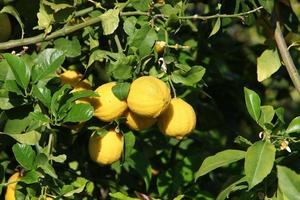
(286, 57)
(70, 29)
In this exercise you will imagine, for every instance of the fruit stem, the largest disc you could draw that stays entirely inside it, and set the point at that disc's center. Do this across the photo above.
(172, 86)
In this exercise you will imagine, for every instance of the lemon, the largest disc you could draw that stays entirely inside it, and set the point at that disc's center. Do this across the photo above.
(137, 122)
(178, 120)
(148, 96)
(11, 188)
(5, 27)
(74, 78)
(107, 106)
(106, 149)
(160, 46)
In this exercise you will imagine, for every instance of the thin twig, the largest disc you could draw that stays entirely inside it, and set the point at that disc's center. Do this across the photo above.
(70, 29)
(286, 57)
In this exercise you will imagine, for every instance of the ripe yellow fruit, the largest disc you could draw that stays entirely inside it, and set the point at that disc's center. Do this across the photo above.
(137, 122)
(107, 106)
(11, 188)
(178, 120)
(106, 149)
(74, 78)
(5, 27)
(148, 96)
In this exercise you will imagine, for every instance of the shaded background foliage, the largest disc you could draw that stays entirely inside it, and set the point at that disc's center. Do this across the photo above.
(158, 166)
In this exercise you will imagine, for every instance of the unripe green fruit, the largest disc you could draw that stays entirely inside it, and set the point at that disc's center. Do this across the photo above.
(5, 27)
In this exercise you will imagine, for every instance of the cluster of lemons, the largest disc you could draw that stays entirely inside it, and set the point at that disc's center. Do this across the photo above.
(149, 101)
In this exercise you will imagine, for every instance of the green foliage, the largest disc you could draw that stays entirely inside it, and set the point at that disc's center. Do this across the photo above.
(220, 56)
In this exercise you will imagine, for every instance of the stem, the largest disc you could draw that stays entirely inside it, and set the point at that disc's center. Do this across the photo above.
(118, 43)
(286, 57)
(50, 144)
(172, 87)
(70, 29)
(84, 11)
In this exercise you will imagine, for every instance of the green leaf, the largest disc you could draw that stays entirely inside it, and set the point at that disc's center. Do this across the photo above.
(110, 21)
(29, 138)
(267, 4)
(79, 113)
(253, 103)
(142, 166)
(46, 63)
(71, 48)
(56, 98)
(98, 55)
(129, 140)
(179, 197)
(259, 162)
(12, 11)
(20, 70)
(42, 162)
(31, 177)
(280, 114)
(267, 64)
(216, 27)
(57, 6)
(288, 182)
(231, 188)
(43, 94)
(60, 158)
(40, 117)
(12, 86)
(140, 5)
(295, 4)
(129, 25)
(121, 90)
(119, 195)
(220, 159)
(143, 39)
(122, 68)
(294, 126)
(45, 20)
(25, 155)
(267, 114)
(189, 78)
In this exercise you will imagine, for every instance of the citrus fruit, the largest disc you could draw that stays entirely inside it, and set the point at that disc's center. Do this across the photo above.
(5, 27)
(74, 78)
(11, 188)
(148, 96)
(106, 149)
(137, 122)
(107, 106)
(160, 46)
(178, 120)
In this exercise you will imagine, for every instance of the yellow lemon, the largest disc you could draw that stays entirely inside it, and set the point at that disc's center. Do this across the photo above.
(74, 78)
(106, 149)
(137, 122)
(160, 46)
(148, 96)
(11, 188)
(5, 27)
(107, 106)
(178, 120)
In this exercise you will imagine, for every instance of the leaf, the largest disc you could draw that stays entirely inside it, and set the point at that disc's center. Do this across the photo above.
(20, 70)
(79, 113)
(119, 195)
(143, 39)
(288, 182)
(31, 177)
(267, 4)
(140, 5)
(46, 63)
(71, 48)
(216, 27)
(39, 117)
(56, 98)
(57, 7)
(98, 55)
(179, 197)
(259, 162)
(8, 101)
(42, 162)
(25, 155)
(29, 138)
(295, 4)
(142, 166)
(45, 20)
(129, 25)
(121, 90)
(129, 140)
(12, 11)
(110, 21)
(220, 159)
(225, 193)
(253, 103)
(294, 126)
(60, 158)
(189, 78)
(267, 64)
(267, 114)
(43, 94)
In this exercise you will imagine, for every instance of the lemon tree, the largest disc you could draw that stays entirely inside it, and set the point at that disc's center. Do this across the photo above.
(143, 99)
